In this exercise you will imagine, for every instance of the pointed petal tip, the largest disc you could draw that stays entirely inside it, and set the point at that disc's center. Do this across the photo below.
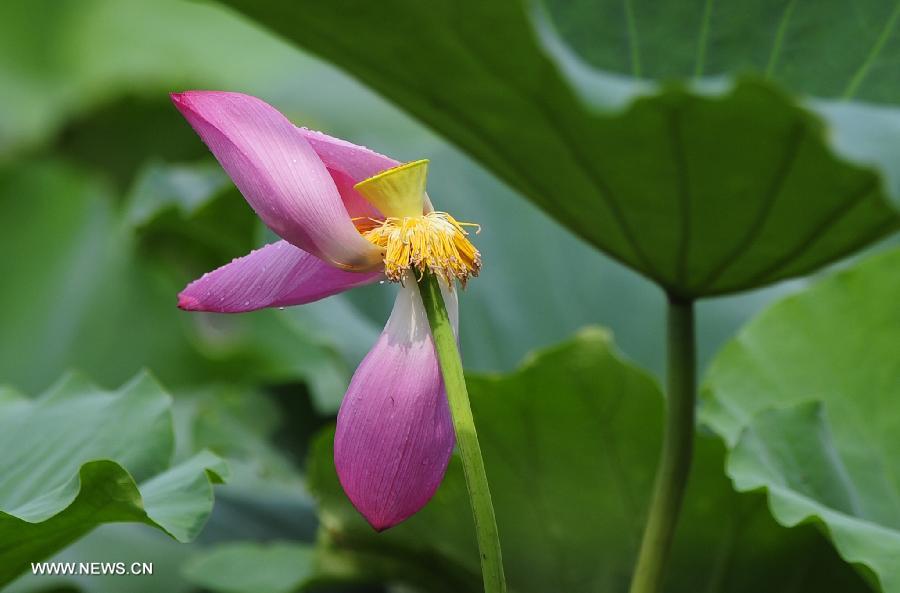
(188, 303)
(183, 99)
(275, 275)
(179, 99)
(381, 515)
(278, 172)
(380, 527)
(376, 520)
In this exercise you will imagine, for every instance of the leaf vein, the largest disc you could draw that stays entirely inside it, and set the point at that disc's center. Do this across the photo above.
(703, 38)
(603, 189)
(857, 79)
(633, 41)
(779, 38)
(788, 160)
(684, 193)
(829, 221)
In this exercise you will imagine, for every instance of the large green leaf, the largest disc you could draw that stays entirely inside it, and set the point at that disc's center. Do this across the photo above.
(705, 195)
(807, 397)
(76, 457)
(829, 49)
(265, 497)
(570, 443)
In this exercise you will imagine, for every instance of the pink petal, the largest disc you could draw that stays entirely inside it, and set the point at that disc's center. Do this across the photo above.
(277, 275)
(394, 432)
(280, 175)
(356, 205)
(357, 162)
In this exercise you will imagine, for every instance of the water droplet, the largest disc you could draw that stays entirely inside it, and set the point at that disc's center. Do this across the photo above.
(281, 308)
(381, 282)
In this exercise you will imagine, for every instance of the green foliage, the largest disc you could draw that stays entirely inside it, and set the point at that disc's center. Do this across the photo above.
(109, 204)
(189, 215)
(116, 542)
(277, 568)
(570, 442)
(238, 424)
(60, 58)
(264, 496)
(76, 457)
(705, 195)
(829, 49)
(806, 396)
(76, 284)
(87, 297)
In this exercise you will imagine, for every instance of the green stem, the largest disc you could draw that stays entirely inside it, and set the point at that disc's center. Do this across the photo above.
(678, 442)
(466, 437)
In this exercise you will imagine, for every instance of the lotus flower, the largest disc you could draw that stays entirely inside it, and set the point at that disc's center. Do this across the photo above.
(347, 216)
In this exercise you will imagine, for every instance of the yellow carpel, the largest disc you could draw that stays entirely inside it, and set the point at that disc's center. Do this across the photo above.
(399, 191)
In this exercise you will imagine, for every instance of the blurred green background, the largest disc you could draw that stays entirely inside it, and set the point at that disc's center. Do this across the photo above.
(110, 204)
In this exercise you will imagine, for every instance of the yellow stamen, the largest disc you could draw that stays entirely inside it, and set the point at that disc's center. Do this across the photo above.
(410, 239)
(434, 241)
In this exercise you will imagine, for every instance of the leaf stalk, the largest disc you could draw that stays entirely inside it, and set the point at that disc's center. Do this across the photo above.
(677, 449)
(466, 437)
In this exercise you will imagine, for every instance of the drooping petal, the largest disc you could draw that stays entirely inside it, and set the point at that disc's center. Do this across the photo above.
(277, 275)
(279, 174)
(358, 162)
(394, 432)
